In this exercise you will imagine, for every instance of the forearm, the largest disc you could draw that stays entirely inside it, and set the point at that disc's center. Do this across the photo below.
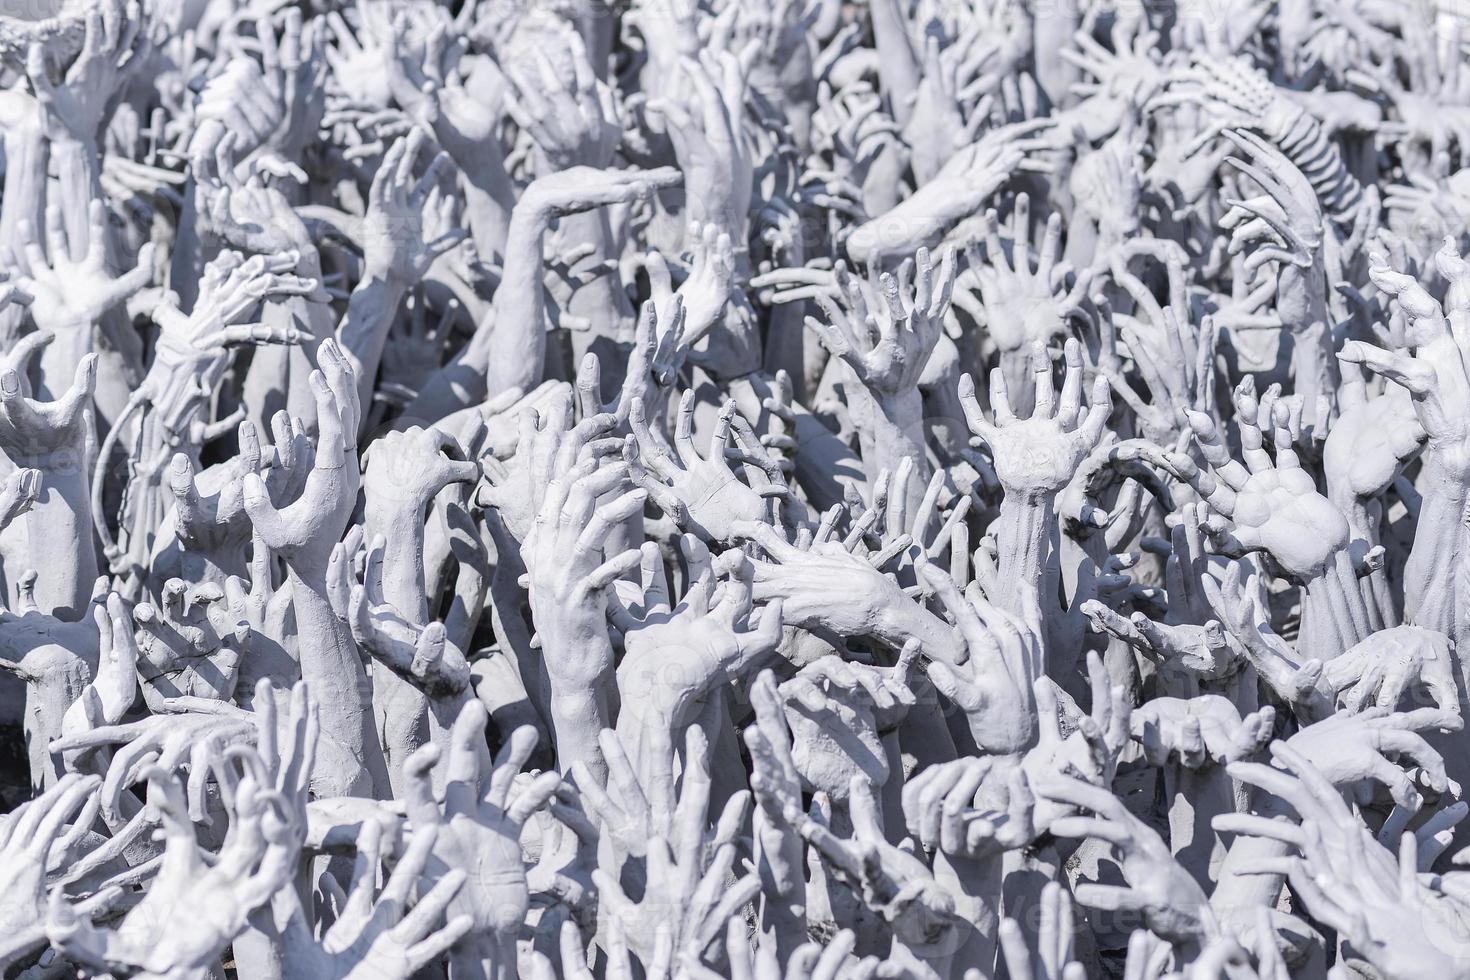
(899, 622)
(779, 861)
(1438, 543)
(578, 657)
(1239, 891)
(577, 716)
(349, 758)
(27, 156)
(942, 406)
(27, 159)
(459, 384)
(78, 173)
(59, 359)
(400, 708)
(1023, 532)
(489, 194)
(919, 221)
(975, 884)
(280, 368)
(1196, 797)
(601, 301)
(1052, 34)
(79, 182)
(1334, 614)
(890, 430)
(518, 344)
(898, 64)
(1314, 366)
(786, 347)
(1365, 521)
(363, 332)
(58, 531)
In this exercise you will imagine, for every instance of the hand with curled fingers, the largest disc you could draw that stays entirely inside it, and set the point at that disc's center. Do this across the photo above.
(1354, 751)
(777, 786)
(692, 886)
(191, 643)
(18, 495)
(1392, 664)
(1370, 895)
(709, 140)
(410, 222)
(660, 349)
(114, 685)
(210, 526)
(946, 808)
(249, 212)
(45, 434)
(1433, 374)
(675, 655)
(115, 43)
(305, 530)
(547, 445)
(827, 589)
(567, 569)
(1038, 455)
(703, 493)
(69, 283)
(840, 714)
(889, 361)
(1006, 657)
(1020, 301)
(1268, 505)
(377, 932)
(1163, 893)
(573, 120)
(892, 882)
(256, 859)
(182, 733)
(416, 652)
(34, 838)
(404, 469)
(1188, 643)
(231, 291)
(478, 827)
(1200, 730)
(1088, 746)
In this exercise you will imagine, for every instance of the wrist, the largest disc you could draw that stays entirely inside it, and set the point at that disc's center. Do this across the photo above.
(902, 620)
(1023, 530)
(902, 408)
(69, 148)
(386, 512)
(533, 213)
(382, 270)
(60, 466)
(575, 646)
(577, 717)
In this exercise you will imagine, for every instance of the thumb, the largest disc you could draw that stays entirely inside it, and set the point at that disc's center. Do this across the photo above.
(429, 649)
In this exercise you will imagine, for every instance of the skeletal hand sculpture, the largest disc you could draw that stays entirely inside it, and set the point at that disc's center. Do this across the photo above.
(763, 490)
